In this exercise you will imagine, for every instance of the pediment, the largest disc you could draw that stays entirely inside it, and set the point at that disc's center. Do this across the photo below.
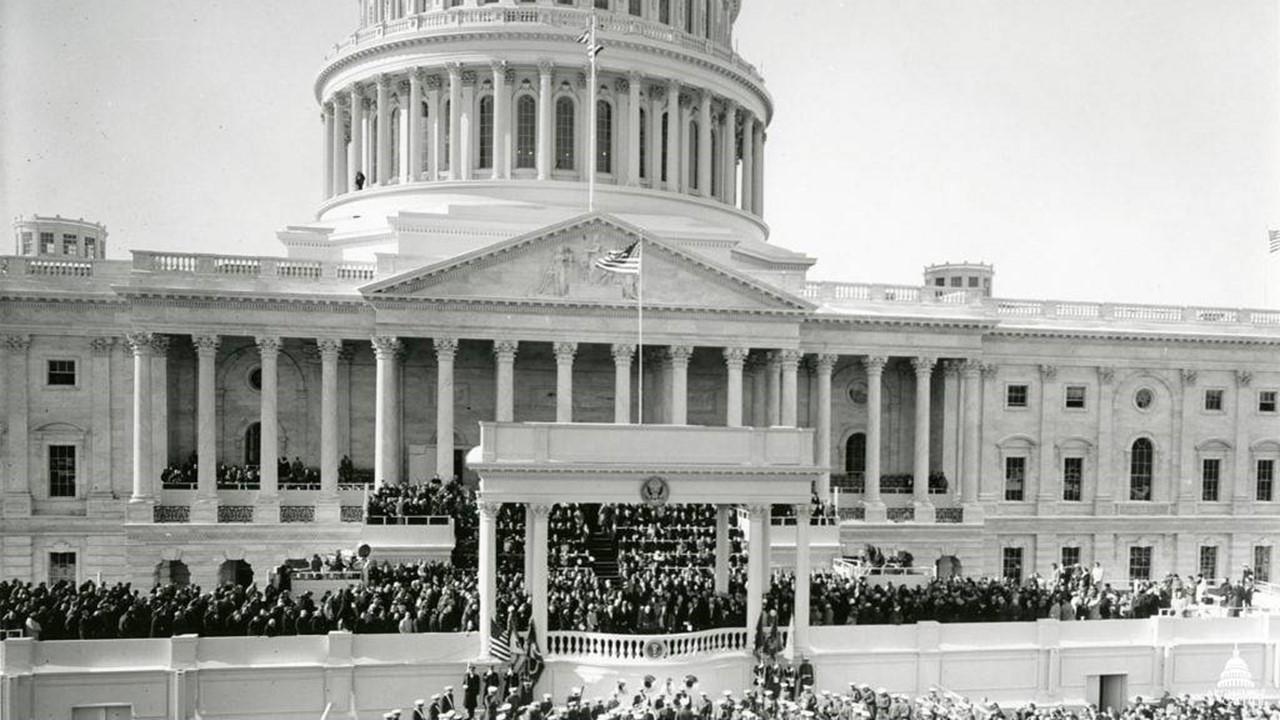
(557, 265)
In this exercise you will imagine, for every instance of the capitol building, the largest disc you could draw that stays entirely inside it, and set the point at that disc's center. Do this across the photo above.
(445, 314)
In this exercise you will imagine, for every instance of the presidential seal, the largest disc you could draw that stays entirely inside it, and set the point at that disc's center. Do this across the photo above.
(654, 491)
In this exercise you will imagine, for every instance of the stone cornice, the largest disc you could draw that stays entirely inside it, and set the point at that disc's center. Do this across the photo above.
(1120, 335)
(58, 297)
(232, 299)
(529, 305)
(466, 34)
(951, 323)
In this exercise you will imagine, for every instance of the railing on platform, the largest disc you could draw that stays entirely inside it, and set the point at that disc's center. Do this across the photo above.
(410, 520)
(855, 568)
(648, 647)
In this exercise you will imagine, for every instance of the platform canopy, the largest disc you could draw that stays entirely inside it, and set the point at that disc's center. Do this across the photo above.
(643, 464)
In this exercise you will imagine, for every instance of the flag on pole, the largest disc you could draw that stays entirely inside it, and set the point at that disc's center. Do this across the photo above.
(588, 38)
(1275, 241)
(532, 656)
(622, 262)
(499, 641)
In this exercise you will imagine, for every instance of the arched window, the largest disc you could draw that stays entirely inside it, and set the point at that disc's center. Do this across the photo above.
(253, 444)
(855, 454)
(1141, 463)
(564, 134)
(664, 11)
(486, 132)
(526, 132)
(644, 144)
(693, 154)
(633, 7)
(604, 136)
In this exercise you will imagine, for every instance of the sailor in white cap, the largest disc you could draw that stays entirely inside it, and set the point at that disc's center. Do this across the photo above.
(419, 709)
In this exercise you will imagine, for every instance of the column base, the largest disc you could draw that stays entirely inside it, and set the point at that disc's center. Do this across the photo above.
(17, 504)
(973, 514)
(266, 510)
(925, 512)
(328, 509)
(140, 510)
(204, 510)
(875, 512)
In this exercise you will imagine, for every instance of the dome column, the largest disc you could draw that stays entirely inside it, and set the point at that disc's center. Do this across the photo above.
(545, 69)
(414, 114)
(330, 148)
(673, 136)
(757, 184)
(633, 129)
(455, 121)
(501, 137)
(356, 153)
(654, 159)
(704, 145)
(748, 161)
(384, 130)
(729, 154)
(434, 108)
(339, 145)
(467, 121)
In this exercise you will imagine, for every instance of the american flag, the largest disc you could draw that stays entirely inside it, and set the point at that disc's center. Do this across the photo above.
(588, 38)
(500, 641)
(1275, 241)
(623, 262)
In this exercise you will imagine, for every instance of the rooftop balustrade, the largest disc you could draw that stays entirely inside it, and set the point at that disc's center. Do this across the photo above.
(251, 266)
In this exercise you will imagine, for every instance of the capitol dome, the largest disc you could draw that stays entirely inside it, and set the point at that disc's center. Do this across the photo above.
(466, 120)
(1235, 680)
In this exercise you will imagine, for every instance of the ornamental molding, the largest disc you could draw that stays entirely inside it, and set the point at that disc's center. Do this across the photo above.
(1189, 376)
(446, 347)
(874, 364)
(622, 353)
(735, 356)
(506, 349)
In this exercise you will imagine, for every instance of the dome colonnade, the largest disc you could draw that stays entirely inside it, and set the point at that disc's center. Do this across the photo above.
(520, 112)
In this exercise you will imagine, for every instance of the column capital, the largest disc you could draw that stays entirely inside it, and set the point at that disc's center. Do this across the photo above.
(1244, 378)
(923, 365)
(804, 511)
(205, 345)
(826, 362)
(634, 77)
(489, 509)
(1106, 375)
(506, 349)
(446, 347)
(680, 353)
(952, 368)
(736, 356)
(789, 357)
(385, 347)
(419, 75)
(339, 101)
(433, 82)
(329, 348)
(383, 81)
(499, 68)
(454, 69)
(139, 342)
(565, 351)
(160, 345)
(970, 367)
(267, 344)
(622, 85)
(1189, 376)
(102, 345)
(874, 364)
(546, 67)
(757, 512)
(540, 511)
(1048, 372)
(622, 353)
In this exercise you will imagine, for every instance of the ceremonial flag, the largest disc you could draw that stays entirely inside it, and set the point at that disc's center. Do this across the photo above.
(622, 262)
(499, 641)
(1275, 241)
(533, 656)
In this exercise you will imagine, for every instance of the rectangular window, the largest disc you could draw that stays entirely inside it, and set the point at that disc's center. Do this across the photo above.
(1210, 473)
(957, 281)
(526, 133)
(47, 244)
(90, 247)
(1015, 478)
(1262, 563)
(633, 7)
(1209, 561)
(1015, 396)
(1072, 478)
(973, 282)
(940, 282)
(1266, 401)
(1070, 557)
(1075, 396)
(1140, 562)
(70, 246)
(27, 239)
(1011, 564)
(1213, 400)
(62, 471)
(61, 373)
(486, 133)
(62, 567)
(1266, 479)
(602, 4)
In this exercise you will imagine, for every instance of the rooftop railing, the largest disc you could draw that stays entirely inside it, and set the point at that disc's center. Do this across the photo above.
(251, 266)
(48, 267)
(565, 18)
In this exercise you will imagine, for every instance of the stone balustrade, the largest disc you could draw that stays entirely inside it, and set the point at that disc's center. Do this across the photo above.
(17, 265)
(647, 648)
(250, 266)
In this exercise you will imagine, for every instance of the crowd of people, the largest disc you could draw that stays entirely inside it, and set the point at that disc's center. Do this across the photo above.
(647, 601)
(184, 475)
(414, 502)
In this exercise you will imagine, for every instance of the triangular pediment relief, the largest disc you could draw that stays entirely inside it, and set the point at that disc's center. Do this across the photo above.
(557, 264)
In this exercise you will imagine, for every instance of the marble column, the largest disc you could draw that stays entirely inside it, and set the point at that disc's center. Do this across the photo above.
(564, 352)
(356, 151)
(328, 505)
(704, 145)
(654, 160)
(723, 548)
(545, 70)
(822, 444)
(622, 353)
(102, 350)
(971, 374)
(205, 507)
(538, 587)
(801, 613)
(455, 121)
(729, 153)
(789, 361)
(734, 357)
(773, 375)
(504, 352)
(142, 498)
(1046, 474)
(434, 139)
(923, 367)
(529, 544)
(385, 171)
(633, 129)
(673, 136)
(500, 124)
(446, 351)
(339, 144)
(468, 125)
(267, 509)
(872, 501)
(748, 161)
(757, 184)
(386, 448)
(679, 356)
(330, 151)
(759, 367)
(414, 116)
(757, 566)
(487, 570)
(17, 500)
(159, 407)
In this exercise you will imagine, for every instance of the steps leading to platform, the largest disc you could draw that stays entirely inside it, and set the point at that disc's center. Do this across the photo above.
(604, 553)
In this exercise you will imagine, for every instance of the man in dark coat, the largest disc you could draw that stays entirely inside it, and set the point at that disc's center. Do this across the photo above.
(470, 690)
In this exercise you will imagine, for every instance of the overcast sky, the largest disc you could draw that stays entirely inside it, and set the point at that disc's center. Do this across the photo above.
(1089, 148)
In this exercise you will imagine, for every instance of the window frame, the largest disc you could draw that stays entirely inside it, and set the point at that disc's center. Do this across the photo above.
(565, 153)
(485, 109)
(57, 486)
(1150, 476)
(1211, 482)
(1015, 556)
(1010, 461)
(1079, 481)
(1083, 399)
(49, 371)
(1142, 560)
(75, 565)
(1009, 388)
(1262, 570)
(1258, 480)
(1272, 398)
(604, 137)
(1221, 394)
(1062, 556)
(531, 127)
(1208, 552)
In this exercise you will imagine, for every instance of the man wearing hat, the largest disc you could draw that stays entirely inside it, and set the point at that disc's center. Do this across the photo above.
(446, 700)
(470, 690)
(419, 710)
(434, 712)
(491, 702)
(392, 715)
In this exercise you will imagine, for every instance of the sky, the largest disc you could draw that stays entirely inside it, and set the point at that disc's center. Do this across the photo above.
(1090, 149)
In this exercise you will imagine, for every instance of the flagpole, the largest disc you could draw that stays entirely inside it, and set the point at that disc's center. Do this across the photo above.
(591, 129)
(640, 334)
